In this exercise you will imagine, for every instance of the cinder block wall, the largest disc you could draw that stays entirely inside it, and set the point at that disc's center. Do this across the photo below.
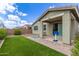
(26, 31)
(10, 31)
(23, 31)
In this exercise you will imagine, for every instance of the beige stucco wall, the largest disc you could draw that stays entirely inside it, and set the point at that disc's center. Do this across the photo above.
(40, 28)
(73, 31)
(36, 31)
(50, 28)
(70, 27)
(66, 27)
(39, 31)
(74, 27)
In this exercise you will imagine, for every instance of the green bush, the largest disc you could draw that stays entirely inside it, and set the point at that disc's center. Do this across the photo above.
(3, 33)
(17, 32)
(75, 50)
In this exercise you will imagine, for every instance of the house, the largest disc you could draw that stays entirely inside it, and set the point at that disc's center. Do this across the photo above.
(64, 20)
(26, 26)
(26, 29)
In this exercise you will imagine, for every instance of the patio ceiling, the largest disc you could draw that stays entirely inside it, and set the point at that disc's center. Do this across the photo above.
(56, 18)
(74, 10)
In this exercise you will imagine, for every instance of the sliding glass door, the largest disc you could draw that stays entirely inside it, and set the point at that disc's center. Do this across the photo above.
(57, 27)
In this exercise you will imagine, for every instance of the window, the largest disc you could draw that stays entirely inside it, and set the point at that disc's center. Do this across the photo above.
(44, 27)
(35, 27)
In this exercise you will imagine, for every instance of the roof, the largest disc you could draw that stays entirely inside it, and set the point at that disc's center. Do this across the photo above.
(73, 9)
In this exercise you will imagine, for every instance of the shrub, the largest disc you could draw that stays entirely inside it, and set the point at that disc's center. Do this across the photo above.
(75, 50)
(3, 33)
(17, 32)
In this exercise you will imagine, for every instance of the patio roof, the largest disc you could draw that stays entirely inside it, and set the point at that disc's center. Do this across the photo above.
(55, 18)
(72, 9)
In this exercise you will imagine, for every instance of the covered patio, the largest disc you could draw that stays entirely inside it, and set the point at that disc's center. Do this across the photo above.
(55, 24)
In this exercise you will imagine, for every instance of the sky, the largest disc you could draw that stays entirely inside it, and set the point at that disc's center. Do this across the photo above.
(17, 14)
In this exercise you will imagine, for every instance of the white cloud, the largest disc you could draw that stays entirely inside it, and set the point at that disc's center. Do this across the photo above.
(21, 13)
(7, 23)
(2, 8)
(23, 22)
(13, 17)
(52, 6)
(13, 24)
(24, 14)
(13, 20)
(10, 24)
(3, 12)
(10, 8)
(1, 18)
(7, 7)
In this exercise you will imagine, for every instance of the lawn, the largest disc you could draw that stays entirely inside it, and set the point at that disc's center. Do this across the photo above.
(21, 46)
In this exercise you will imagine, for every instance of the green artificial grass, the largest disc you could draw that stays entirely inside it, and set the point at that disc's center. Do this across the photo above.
(21, 46)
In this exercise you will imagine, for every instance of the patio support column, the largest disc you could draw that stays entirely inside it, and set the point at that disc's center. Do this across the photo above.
(41, 29)
(49, 29)
(66, 27)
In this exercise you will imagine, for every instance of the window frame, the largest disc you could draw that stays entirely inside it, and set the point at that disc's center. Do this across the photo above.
(35, 27)
(44, 27)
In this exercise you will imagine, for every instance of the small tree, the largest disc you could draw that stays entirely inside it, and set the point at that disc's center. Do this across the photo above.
(17, 31)
(3, 33)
